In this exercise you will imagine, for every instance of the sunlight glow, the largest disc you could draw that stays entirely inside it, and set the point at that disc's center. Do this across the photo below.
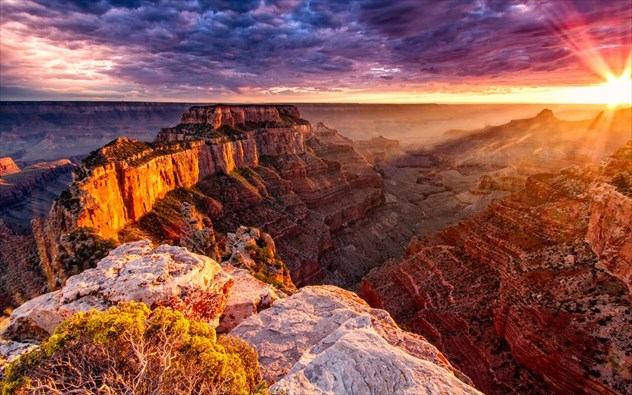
(618, 90)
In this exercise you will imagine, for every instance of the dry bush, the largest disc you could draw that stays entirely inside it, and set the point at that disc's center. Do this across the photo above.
(133, 350)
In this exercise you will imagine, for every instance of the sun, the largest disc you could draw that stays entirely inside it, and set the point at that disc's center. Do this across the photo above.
(616, 91)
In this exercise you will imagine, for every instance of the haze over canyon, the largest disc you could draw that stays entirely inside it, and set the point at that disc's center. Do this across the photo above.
(501, 246)
(292, 197)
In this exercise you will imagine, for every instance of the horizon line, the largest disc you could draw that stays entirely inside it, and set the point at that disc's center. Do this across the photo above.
(620, 105)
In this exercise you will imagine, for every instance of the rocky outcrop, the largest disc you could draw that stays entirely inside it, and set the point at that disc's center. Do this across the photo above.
(233, 115)
(121, 182)
(255, 251)
(8, 166)
(276, 129)
(247, 297)
(297, 187)
(196, 234)
(162, 276)
(320, 340)
(516, 298)
(326, 340)
(130, 176)
(10, 351)
(610, 226)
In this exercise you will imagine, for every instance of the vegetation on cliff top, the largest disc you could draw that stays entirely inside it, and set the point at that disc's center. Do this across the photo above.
(82, 249)
(131, 349)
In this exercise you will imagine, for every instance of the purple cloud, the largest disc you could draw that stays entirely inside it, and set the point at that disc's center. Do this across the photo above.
(165, 47)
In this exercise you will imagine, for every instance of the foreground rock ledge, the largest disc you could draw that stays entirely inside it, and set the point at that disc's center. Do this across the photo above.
(163, 276)
(324, 340)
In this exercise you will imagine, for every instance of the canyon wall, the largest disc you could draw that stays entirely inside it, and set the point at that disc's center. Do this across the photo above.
(8, 166)
(263, 164)
(610, 224)
(532, 295)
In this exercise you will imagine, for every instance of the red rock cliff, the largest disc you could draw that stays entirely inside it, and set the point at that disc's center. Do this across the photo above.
(303, 192)
(8, 166)
(516, 298)
(122, 181)
(610, 225)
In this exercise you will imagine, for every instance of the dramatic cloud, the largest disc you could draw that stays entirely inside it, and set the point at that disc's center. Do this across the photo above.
(302, 49)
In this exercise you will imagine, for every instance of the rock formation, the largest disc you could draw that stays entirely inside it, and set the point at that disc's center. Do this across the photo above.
(28, 193)
(196, 235)
(8, 166)
(247, 297)
(326, 340)
(255, 251)
(516, 298)
(10, 351)
(320, 340)
(257, 166)
(610, 224)
(163, 276)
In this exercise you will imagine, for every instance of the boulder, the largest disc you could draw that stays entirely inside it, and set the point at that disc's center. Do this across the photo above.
(162, 276)
(355, 359)
(327, 340)
(10, 351)
(247, 296)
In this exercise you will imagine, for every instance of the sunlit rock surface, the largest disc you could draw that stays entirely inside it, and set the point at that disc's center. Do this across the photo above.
(162, 276)
(248, 296)
(610, 225)
(11, 350)
(8, 166)
(326, 340)
(516, 297)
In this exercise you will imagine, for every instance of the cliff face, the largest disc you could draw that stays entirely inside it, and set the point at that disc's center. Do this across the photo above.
(516, 297)
(610, 224)
(130, 176)
(219, 115)
(320, 340)
(8, 166)
(300, 193)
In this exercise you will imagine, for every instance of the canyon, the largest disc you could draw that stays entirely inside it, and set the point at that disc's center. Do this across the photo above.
(518, 241)
(28, 193)
(532, 282)
(320, 324)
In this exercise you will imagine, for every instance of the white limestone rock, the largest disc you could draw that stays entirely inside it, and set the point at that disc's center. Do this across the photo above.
(325, 340)
(165, 276)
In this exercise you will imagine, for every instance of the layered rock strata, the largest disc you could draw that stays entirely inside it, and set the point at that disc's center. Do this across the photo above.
(29, 193)
(257, 166)
(516, 298)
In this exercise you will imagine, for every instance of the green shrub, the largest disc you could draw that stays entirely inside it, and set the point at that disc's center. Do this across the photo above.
(132, 350)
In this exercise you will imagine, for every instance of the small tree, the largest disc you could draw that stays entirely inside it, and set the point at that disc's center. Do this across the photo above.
(132, 350)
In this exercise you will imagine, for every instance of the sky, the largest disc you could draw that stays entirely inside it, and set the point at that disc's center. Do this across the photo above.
(373, 51)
